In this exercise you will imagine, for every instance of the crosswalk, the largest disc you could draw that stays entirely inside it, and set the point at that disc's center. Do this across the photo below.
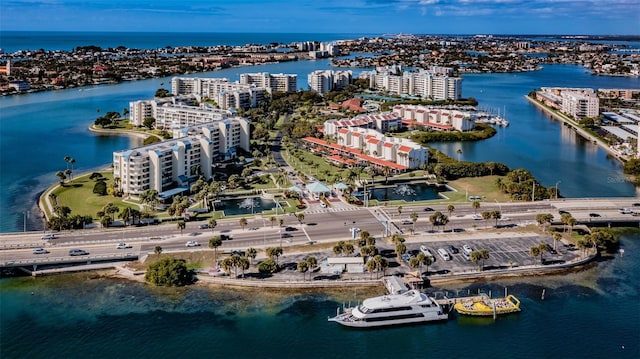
(333, 209)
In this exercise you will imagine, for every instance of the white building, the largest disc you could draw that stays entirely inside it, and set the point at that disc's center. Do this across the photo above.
(580, 104)
(425, 84)
(172, 115)
(176, 163)
(226, 94)
(323, 81)
(272, 82)
(441, 119)
(382, 122)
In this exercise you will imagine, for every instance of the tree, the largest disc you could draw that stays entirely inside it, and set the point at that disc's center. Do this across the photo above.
(126, 215)
(475, 205)
(273, 253)
(61, 176)
(214, 243)
(157, 250)
(556, 237)
(450, 209)
(232, 263)
(168, 272)
(486, 215)
(399, 210)
(252, 253)
(401, 249)
(313, 263)
(420, 260)
(300, 217)
(495, 214)
(100, 188)
(377, 264)
(303, 267)
(181, 225)
(149, 122)
(475, 257)
(212, 223)
(243, 222)
(542, 248)
(534, 251)
(544, 219)
(149, 197)
(268, 266)
(272, 219)
(414, 219)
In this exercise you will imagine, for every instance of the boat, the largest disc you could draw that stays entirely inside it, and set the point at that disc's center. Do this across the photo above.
(410, 307)
(484, 306)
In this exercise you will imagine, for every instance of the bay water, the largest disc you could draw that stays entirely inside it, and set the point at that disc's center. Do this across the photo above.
(593, 313)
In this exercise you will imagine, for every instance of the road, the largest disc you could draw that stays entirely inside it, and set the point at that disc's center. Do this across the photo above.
(319, 225)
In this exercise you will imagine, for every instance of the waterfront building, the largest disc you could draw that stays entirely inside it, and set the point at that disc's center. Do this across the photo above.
(439, 119)
(323, 81)
(174, 113)
(271, 82)
(226, 94)
(580, 104)
(169, 167)
(360, 142)
(435, 84)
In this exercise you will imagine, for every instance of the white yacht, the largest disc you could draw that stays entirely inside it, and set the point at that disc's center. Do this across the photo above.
(393, 309)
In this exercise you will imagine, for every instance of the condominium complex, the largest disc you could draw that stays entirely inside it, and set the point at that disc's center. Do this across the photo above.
(435, 84)
(575, 102)
(439, 119)
(359, 142)
(383, 122)
(271, 82)
(171, 114)
(323, 81)
(226, 94)
(174, 164)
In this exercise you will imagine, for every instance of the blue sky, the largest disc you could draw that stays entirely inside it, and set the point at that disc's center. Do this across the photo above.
(327, 16)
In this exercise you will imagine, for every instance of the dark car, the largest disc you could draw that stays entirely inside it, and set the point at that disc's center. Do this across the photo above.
(452, 249)
(225, 237)
(637, 204)
(204, 226)
(594, 215)
(290, 229)
(428, 209)
(78, 252)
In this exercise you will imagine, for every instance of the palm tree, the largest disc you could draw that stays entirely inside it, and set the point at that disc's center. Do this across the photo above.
(496, 215)
(274, 252)
(399, 210)
(313, 263)
(252, 253)
(414, 219)
(272, 219)
(401, 249)
(484, 255)
(212, 223)
(543, 249)
(475, 205)
(534, 251)
(214, 243)
(486, 215)
(556, 237)
(157, 250)
(181, 225)
(450, 209)
(243, 222)
(303, 267)
(300, 217)
(61, 176)
(475, 257)
(571, 222)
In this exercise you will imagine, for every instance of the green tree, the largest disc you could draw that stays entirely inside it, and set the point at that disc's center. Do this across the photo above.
(475, 205)
(214, 243)
(212, 223)
(252, 253)
(300, 217)
(496, 215)
(169, 272)
(542, 248)
(61, 176)
(556, 237)
(272, 219)
(450, 209)
(149, 122)
(100, 188)
(243, 222)
(303, 267)
(268, 266)
(274, 253)
(157, 250)
(181, 225)
(401, 249)
(414, 219)
(534, 251)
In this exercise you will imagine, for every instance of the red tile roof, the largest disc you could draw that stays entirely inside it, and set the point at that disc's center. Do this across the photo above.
(404, 149)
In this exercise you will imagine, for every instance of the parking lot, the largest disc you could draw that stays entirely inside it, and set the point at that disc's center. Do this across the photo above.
(503, 253)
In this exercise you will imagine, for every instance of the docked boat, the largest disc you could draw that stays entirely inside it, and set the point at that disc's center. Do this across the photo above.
(484, 306)
(394, 309)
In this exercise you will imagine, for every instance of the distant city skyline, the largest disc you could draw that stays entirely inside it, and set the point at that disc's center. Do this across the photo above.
(572, 17)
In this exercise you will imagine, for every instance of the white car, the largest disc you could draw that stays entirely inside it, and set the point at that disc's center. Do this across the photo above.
(123, 246)
(467, 249)
(476, 217)
(426, 252)
(48, 236)
(40, 251)
(192, 244)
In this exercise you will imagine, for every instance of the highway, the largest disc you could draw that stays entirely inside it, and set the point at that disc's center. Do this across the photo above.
(319, 225)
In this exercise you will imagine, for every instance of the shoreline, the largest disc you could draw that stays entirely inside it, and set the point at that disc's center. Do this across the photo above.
(585, 135)
(121, 132)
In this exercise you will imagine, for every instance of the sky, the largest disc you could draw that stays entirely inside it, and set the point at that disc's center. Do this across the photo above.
(574, 17)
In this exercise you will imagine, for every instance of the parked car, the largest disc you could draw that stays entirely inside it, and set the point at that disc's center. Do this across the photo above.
(204, 226)
(452, 249)
(48, 236)
(406, 257)
(407, 221)
(78, 252)
(290, 229)
(444, 254)
(192, 244)
(467, 249)
(426, 252)
(123, 246)
(40, 251)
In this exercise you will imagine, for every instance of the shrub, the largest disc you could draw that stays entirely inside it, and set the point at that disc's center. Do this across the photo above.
(169, 272)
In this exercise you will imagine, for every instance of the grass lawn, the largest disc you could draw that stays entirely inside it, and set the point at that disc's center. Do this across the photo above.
(477, 186)
(78, 195)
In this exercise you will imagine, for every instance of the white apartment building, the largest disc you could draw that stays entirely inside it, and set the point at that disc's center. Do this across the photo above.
(436, 118)
(383, 122)
(423, 83)
(226, 94)
(170, 115)
(323, 81)
(272, 82)
(580, 104)
(176, 163)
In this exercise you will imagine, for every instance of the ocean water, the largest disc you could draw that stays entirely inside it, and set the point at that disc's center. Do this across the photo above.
(11, 41)
(593, 313)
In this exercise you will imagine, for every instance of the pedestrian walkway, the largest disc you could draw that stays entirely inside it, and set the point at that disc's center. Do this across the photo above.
(333, 209)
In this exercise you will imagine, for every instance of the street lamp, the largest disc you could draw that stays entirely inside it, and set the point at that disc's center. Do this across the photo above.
(557, 183)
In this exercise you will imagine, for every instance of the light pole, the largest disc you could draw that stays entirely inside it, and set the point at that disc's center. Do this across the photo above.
(557, 183)
(499, 206)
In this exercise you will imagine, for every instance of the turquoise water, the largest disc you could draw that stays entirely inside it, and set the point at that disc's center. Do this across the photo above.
(236, 206)
(589, 314)
(406, 192)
